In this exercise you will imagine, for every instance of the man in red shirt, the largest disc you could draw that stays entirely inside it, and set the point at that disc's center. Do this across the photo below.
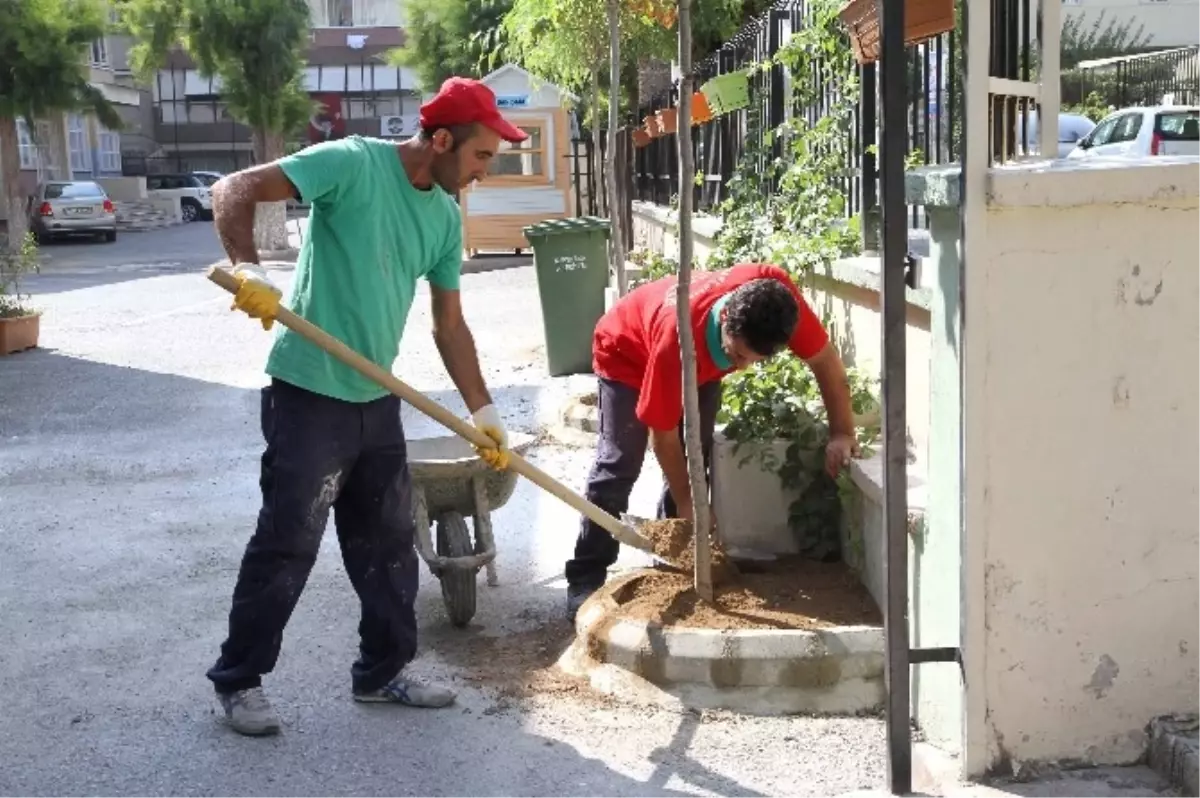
(741, 315)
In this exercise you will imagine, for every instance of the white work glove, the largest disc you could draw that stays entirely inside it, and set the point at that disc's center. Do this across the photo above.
(487, 420)
(256, 295)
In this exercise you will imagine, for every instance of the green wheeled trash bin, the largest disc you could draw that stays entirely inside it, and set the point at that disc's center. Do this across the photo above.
(570, 257)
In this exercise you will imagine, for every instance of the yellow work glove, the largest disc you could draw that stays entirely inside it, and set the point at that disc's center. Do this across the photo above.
(257, 296)
(487, 420)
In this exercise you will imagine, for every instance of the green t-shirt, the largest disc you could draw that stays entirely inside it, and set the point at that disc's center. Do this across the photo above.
(371, 235)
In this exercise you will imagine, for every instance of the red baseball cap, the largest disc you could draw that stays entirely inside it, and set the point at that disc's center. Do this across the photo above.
(463, 101)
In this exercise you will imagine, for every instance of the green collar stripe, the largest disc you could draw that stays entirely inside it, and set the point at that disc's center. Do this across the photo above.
(713, 335)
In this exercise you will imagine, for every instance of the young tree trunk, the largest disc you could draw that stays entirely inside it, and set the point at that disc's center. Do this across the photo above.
(691, 400)
(597, 161)
(10, 176)
(615, 206)
(270, 220)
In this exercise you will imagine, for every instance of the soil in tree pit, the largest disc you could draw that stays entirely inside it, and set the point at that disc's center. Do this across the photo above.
(789, 593)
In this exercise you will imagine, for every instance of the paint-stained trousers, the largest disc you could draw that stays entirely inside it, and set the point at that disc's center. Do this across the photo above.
(619, 454)
(324, 453)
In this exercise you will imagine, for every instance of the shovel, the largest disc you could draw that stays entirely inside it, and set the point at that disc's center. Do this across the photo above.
(624, 533)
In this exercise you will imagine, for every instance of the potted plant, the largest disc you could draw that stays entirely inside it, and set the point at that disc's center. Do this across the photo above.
(923, 19)
(668, 120)
(19, 322)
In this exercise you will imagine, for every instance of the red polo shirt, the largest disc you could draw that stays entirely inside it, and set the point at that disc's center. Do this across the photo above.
(637, 342)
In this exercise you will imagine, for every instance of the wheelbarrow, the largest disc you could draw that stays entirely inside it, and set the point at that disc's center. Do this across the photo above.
(620, 530)
(450, 482)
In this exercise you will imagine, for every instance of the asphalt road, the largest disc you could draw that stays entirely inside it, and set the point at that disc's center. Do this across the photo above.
(129, 448)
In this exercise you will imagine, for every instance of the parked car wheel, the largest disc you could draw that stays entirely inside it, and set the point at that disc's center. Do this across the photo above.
(110, 236)
(190, 210)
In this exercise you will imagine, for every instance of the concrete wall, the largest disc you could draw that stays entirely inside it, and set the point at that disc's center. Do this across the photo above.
(1075, 379)
(655, 227)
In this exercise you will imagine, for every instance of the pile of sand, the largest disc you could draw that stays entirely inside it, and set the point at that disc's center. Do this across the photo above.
(673, 541)
(791, 593)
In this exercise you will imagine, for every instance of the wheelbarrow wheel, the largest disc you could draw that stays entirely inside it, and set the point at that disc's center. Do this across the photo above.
(458, 584)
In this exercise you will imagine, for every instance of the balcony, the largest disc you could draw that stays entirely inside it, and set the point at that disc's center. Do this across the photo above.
(233, 134)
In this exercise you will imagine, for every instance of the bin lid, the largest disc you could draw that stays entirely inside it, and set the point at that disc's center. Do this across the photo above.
(579, 224)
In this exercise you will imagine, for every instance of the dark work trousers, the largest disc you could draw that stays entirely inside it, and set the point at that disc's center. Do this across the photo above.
(619, 455)
(324, 453)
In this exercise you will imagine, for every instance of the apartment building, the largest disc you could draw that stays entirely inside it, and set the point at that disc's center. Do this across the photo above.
(345, 71)
(76, 145)
(1168, 23)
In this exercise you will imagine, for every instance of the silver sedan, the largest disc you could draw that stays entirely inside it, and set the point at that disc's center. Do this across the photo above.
(72, 207)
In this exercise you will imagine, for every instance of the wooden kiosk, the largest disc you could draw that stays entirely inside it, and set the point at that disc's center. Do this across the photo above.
(529, 182)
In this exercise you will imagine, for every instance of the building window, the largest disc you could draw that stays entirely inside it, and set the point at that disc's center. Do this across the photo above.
(524, 162)
(48, 154)
(99, 54)
(78, 144)
(110, 151)
(339, 13)
(28, 150)
(355, 108)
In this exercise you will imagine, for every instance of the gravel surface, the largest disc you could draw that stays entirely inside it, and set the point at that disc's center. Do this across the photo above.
(129, 449)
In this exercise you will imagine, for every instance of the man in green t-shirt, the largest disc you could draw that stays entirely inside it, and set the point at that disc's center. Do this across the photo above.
(382, 217)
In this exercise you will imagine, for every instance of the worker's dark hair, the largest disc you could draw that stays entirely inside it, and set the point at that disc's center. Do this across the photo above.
(459, 133)
(762, 313)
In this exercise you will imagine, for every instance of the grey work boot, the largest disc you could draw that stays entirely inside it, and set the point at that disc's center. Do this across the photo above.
(411, 691)
(249, 712)
(576, 596)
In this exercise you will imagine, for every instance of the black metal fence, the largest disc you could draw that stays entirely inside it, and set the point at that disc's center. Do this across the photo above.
(718, 146)
(587, 176)
(1132, 80)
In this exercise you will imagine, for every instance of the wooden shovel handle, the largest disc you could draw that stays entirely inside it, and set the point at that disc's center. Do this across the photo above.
(520, 465)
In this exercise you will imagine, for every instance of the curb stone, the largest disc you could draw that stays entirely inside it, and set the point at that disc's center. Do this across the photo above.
(1174, 751)
(581, 413)
(758, 671)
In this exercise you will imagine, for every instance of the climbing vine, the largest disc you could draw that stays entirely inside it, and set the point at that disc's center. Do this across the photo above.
(787, 205)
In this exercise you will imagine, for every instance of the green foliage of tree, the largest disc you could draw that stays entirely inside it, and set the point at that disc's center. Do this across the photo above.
(452, 37)
(256, 48)
(715, 21)
(565, 40)
(1083, 42)
(42, 72)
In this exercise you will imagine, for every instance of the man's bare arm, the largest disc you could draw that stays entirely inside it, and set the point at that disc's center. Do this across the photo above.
(830, 374)
(672, 459)
(457, 348)
(234, 198)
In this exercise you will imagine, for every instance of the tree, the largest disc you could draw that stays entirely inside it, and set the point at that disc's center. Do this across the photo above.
(256, 48)
(42, 72)
(451, 37)
(1080, 43)
(701, 523)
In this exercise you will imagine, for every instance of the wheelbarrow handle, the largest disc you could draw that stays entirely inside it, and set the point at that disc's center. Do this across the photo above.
(314, 334)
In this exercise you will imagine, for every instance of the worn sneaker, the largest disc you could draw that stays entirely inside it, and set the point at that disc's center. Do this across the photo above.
(411, 691)
(249, 712)
(576, 596)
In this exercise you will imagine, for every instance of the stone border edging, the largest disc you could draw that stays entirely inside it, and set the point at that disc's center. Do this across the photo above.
(581, 414)
(765, 671)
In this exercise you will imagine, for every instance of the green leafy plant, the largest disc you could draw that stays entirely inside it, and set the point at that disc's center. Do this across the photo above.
(1093, 107)
(43, 72)
(654, 265)
(786, 204)
(15, 263)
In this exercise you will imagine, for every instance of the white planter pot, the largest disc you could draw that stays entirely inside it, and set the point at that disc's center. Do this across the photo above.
(750, 504)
